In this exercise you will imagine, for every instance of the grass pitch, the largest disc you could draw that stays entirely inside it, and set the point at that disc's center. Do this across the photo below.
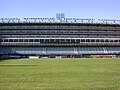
(60, 74)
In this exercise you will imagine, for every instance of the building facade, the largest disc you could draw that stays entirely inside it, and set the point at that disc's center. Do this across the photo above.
(59, 39)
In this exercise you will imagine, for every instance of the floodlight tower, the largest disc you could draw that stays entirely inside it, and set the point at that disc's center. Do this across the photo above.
(60, 15)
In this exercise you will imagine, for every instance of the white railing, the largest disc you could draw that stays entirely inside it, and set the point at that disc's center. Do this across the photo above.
(61, 20)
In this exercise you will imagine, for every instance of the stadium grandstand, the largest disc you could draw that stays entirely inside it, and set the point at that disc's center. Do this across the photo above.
(59, 37)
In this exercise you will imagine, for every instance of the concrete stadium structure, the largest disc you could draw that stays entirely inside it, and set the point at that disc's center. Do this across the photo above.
(50, 38)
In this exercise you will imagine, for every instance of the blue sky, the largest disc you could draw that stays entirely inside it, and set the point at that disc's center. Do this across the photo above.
(108, 9)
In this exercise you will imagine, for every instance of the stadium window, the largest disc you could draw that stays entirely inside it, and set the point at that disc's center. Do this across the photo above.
(110, 40)
(54, 40)
(57, 40)
(106, 40)
(31, 40)
(5, 40)
(46, 40)
(97, 40)
(20, 40)
(51, 40)
(102, 40)
(41, 40)
(115, 40)
(87, 40)
(62, 40)
(72, 40)
(10, 40)
(82, 40)
(36, 40)
(92, 40)
(26, 40)
(67, 40)
(77, 40)
(15, 40)
(1, 40)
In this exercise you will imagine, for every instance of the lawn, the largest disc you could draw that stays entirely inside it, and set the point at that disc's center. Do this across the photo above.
(60, 74)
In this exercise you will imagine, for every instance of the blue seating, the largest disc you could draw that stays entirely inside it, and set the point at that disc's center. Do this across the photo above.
(90, 50)
(58, 50)
(29, 50)
(113, 49)
(6, 50)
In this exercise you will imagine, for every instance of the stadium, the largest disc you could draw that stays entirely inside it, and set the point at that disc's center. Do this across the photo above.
(59, 37)
(59, 54)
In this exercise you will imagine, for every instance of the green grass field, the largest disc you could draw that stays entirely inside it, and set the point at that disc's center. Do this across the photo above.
(60, 74)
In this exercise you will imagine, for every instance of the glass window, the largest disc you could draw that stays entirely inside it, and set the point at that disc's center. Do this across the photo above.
(51, 40)
(67, 40)
(57, 40)
(15, 40)
(36, 40)
(72, 40)
(82, 40)
(41, 40)
(26, 40)
(46, 40)
(5, 40)
(77, 40)
(97, 40)
(31, 40)
(111, 40)
(92, 40)
(106, 40)
(20, 40)
(115, 40)
(1, 40)
(10, 40)
(62, 40)
(87, 40)
(102, 40)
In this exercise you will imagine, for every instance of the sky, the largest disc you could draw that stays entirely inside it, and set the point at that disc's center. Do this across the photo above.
(97, 9)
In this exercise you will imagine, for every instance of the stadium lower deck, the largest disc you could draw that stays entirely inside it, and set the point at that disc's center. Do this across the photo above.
(51, 40)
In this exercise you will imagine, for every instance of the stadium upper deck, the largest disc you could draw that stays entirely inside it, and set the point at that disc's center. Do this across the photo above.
(73, 34)
(59, 27)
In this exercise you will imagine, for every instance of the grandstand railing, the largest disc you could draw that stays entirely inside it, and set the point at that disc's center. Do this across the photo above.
(60, 44)
(59, 20)
(60, 40)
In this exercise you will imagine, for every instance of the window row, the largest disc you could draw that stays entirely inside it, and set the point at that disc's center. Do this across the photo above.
(59, 40)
